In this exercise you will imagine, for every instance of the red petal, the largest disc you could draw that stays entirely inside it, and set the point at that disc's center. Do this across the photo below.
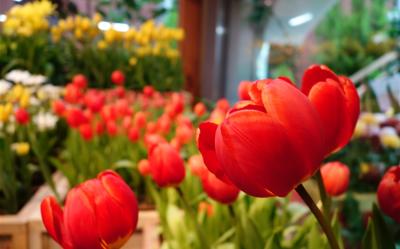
(352, 110)
(257, 155)
(115, 220)
(53, 220)
(206, 144)
(315, 74)
(291, 108)
(80, 220)
(328, 99)
(219, 190)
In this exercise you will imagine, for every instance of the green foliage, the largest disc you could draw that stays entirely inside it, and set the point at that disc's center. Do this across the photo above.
(347, 42)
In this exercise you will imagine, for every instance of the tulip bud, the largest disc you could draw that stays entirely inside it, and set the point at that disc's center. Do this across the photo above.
(118, 77)
(148, 91)
(133, 134)
(199, 109)
(58, 107)
(86, 131)
(336, 177)
(75, 117)
(79, 81)
(144, 167)
(21, 116)
(166, 165)
(389, 193)
(99, 213)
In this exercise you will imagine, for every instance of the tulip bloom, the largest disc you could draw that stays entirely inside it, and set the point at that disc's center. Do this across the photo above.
(21, 116)
(80, 81)
(118, 77)
(270, 144)
(99, 213)
(389, 193)
(200, 109)
(336, 178)
(166, 165)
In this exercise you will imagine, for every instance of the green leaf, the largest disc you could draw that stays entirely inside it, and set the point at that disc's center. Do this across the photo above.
(377, 235)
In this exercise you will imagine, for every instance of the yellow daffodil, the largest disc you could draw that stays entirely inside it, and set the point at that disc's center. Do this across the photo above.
(21, 148)
(133, 61)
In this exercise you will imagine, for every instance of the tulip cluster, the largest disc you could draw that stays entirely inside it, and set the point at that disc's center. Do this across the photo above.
(149, 123)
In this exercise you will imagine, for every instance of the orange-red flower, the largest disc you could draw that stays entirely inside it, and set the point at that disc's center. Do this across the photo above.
(166, 165)
(243, 90)
(336, 178)
(218, 190)
(389, 193)
(99, 213)
(21, 116)
(118, 77)
(268, 145)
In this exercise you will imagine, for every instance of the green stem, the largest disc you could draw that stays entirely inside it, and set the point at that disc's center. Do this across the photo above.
(326, 227)
(325, 199)
(199, 231)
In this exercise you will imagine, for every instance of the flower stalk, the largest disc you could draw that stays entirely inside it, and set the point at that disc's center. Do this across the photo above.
(326, 227)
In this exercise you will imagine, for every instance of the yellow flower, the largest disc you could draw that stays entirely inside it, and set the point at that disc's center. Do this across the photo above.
(369, 118)
(21, 148)
(130, 34)
(3, 115)
(101, 45)
(24, 100)
(360, 129)
(390, 141)
(78, 33)
(110, 36)
(364, 168)
(133, 61)
(85, 24)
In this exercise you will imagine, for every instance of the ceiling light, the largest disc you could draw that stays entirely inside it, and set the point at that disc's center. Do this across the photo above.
(301, 19)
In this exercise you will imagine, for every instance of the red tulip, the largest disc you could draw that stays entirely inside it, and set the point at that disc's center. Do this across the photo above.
(94, 100)
(218, 190)
(99, 127)
(144, 167)
(199, 109)
(99, 213)
(118, 77)
(58, 107)
(21, 116)
(243, 90)
(133, 134)
(223, 105)
(389, 193)
(148, 91)
(164, 124)
(184, 133)
(269, 145)
(140, 119)
(151, 140)
(166, 165)
(112, 128)
(86, 131)
(79, 81)
(73, 94)
(336, 178)
(75, 117)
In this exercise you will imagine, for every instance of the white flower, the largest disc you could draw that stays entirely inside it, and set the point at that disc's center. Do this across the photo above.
(33, 101)
(49, 92)
(4, 86)
(34, 80)
(388, 130)
(45, 121)
(17, 76)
